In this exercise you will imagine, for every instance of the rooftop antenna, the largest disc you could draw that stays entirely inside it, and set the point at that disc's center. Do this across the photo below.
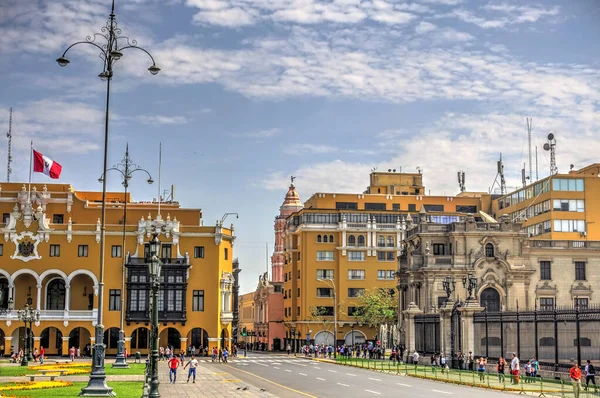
(419, 169)
(461, 180)
(551, 146)
(536, 165)
(9, 135)
(500, 173)
(523, 176)
(529, 126)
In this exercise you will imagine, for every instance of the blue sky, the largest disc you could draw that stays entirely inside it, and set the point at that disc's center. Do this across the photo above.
(253, 91)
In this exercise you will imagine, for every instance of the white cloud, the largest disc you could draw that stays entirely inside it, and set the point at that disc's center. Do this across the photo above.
(260, 134)
(162, 120)
(300, 149)
(424, 27)
(229, 17)
(503, 15)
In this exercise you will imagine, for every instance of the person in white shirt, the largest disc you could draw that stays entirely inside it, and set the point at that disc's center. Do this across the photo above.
(514, 368)
(193, 364)
(416, 357)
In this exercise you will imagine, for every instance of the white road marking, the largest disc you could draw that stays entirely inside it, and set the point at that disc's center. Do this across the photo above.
(287, 370)
(342, 384)
(275, 367)
(333, 371)
(262, 364)
(318, 378)
(404, 385)
(302, 374)
(373, 392)
(350, 374)
(374, 379)
(317, 368)
(443, 392)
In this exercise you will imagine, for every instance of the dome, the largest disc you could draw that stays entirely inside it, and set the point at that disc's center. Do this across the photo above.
(292, 202)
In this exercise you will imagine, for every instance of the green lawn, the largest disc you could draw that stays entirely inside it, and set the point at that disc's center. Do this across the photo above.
(121, 388)
(134, 369)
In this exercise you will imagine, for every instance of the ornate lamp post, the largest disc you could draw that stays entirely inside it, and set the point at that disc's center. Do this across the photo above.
(126, 168)
(111, 47)
(470, 283)
(154, 268)
(27, 316)
(449, 284)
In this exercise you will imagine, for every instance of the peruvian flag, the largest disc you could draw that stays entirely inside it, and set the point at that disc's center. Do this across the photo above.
(43, 164)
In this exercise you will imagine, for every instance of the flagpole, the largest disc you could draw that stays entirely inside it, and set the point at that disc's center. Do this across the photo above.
(159, 167)
(30, 170)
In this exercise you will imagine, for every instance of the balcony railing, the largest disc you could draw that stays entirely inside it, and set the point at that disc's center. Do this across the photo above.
(226, 317)
(144, 261)
(58, 315)
(566, 244)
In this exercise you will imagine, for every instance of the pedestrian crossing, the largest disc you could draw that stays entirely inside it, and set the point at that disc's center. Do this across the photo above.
(272, 359)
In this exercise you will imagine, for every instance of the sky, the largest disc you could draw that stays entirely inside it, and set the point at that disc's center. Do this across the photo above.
(254, 91)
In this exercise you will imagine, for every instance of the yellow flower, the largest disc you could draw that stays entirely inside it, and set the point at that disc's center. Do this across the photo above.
(34, 385)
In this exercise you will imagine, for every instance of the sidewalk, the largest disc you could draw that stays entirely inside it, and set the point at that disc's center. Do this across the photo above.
(211, 382)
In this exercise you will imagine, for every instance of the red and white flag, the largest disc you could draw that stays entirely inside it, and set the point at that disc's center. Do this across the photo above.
(43, 164)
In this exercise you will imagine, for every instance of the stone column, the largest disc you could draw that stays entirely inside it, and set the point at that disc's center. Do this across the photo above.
(36, 343)
(39, 297)
(409, 322)
(445, 328)
(65, 347)
(468, 330)
(67, 298)
(183, 344)
(7, 344)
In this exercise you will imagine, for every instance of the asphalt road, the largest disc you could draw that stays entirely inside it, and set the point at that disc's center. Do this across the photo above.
(298, 377)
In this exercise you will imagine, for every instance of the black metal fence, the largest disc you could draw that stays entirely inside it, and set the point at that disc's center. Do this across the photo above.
(427, 333)
(555, 337)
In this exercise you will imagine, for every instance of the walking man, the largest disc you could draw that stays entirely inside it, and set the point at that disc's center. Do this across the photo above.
(288, 349)
(193, 364)
(514, 368)
(575, 374)
(173, 365)
(590, 375)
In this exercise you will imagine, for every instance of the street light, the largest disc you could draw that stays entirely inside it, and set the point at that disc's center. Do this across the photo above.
(154, 268)
(110, 52)
(27, 316)
(126, 168)
(327, 281)
(470, 283)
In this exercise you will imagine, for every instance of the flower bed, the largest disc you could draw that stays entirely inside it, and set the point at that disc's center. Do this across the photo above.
(33, 385)
(66, 369)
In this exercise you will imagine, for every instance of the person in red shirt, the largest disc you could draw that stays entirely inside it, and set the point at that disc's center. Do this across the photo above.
(42, 352)
(575, 374)
(173, 365)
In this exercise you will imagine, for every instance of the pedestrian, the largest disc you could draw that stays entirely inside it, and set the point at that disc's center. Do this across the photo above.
(500, 369)
(72, 354)
(481, 368)
(590, 375)
(225, 355)
(220, 354)
(575, 374)
(162, 353)
(514, 368)
(461, 360)
(78, 352)
(433, 361)
(288, 348)
(214, 354)
(42, 352)
(416, 358)
(173, 365)
(443, 361)
(125, 353)
(527, 369)
(167, 353)
(36, 354)
(193, 364)
(535, 367)
(471, 361)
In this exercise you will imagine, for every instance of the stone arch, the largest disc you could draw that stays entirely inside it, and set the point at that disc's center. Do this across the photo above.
(45, 292)
(359, 337)
(170, 337)
(8, 277)
(84, 272)
(50, 272)
(18, 337)
(324, 337)
(111, 339)
(493, 285)
(33, 282)
(51, 340)
(80, 337)
(198, 337)
(25, 271)
(140, 339)
(490, 299)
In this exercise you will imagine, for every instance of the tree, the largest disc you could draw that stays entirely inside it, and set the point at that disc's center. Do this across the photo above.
(324, 316)
(377, 307)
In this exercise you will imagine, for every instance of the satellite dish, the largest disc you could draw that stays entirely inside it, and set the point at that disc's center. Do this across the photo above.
(550, 137)
(546, 147)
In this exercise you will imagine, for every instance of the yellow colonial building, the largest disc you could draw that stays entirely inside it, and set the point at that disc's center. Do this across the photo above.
(355, 240)
(49, 258)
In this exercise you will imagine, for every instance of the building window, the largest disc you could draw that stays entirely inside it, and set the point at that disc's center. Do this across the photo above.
(324, 274)
(569, 205)
(466, 209)
(198, 300)
(396, 206)
(356, 274)
(569, 225)
(439, 249)
(354, 311)
(429, 208)
(298, 256)
(1, 249)
(385, 256)
(374, 206)
(117, 251)
(581, 302)
(380, 241)
(226, 253)
(567, 184)
(351, 240)
(298, 295)
(82, 251)
(58, 218)
(319, 239)
(361, 240)
(298, 274)
(546, 303)
(331, 239)
(390, 241)
(199, 252)
(355, 292)
(346, 205)
(356, 256)
(324, 292)
(545, 272)
(5, 218)
(285, 279)
(54, 250)
(114, 300)
(412, 207)
(579, 270)
(383, 274)
(489, 250)
(323, 255)
(325, 240)
(298, 311)
(166, 251)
